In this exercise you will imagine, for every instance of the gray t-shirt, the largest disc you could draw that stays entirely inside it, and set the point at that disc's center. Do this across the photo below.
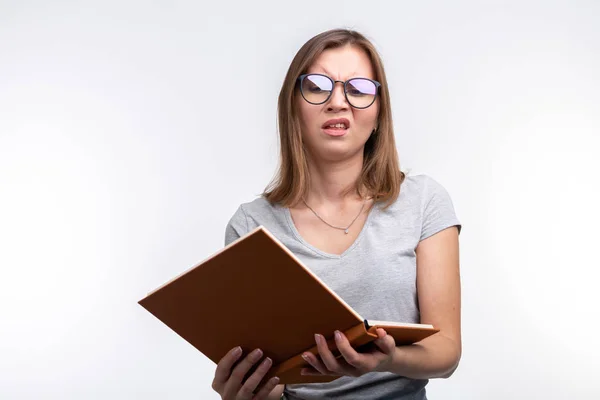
(376, 275)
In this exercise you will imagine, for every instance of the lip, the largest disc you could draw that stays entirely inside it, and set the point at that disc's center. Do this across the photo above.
(336, 131)
(336, 121)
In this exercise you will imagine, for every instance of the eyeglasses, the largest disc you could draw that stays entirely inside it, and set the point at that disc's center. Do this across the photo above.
(359, 92)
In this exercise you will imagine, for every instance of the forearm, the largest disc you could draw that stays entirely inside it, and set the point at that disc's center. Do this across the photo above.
(276, 393)
(433, 357)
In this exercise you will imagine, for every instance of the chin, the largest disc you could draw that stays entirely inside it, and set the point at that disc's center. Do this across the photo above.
(330, 148)
(337, 152)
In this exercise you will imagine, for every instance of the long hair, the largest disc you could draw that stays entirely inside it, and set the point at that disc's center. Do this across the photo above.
(381, 176)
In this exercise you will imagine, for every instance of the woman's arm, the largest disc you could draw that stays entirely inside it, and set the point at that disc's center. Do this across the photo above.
(438, 288)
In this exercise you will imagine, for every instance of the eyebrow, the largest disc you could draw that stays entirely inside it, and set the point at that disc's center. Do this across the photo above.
(353, 74)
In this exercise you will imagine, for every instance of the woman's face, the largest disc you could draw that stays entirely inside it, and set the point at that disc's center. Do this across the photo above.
(335, 144)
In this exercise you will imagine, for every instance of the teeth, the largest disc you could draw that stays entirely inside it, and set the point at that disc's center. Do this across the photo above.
(337, 126)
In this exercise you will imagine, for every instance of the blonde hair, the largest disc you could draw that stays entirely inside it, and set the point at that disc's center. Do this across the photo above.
(380, 177)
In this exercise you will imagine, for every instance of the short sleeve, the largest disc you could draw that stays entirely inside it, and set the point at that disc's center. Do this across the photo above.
(438, 210)
(237, 226)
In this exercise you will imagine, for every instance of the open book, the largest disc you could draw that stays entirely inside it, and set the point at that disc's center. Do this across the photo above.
(255, 293)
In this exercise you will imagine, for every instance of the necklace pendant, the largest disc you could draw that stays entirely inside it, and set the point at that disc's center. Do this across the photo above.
(346, 231)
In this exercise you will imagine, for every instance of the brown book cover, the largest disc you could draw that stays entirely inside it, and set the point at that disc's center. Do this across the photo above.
(255, 293)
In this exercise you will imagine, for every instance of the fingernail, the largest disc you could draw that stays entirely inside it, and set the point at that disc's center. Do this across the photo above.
(267, 362)
(305, 356)
(338, 335)
(317, 337)
(256, 354)
(237, 351)
(275, 380)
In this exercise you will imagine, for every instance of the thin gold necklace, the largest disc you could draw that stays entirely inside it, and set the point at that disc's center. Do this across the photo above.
(333, 226)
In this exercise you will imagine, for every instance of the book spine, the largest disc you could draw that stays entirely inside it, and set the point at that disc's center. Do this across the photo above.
(357, 336)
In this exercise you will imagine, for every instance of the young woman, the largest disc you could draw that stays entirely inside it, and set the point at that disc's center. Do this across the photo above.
(385, 242)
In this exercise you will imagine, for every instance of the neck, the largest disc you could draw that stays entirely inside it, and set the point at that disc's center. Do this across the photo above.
(330, 180)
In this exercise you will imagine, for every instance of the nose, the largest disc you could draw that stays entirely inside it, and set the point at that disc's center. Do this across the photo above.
(337, 101)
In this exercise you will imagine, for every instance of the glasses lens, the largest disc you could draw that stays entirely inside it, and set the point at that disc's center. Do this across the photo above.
(316, 88)
(361, 92)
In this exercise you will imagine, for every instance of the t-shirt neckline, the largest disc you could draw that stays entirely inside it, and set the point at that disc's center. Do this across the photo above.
(296, 233)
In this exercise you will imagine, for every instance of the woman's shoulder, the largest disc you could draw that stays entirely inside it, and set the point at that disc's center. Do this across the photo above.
(431, 201)
(257, 206)
(250, 214)
(419, 188)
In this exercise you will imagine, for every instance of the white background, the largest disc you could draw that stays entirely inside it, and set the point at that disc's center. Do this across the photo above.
(130, 131)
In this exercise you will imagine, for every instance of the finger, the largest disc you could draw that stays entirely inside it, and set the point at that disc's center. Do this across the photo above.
(252, 382)
(224, 367)
(351, 356)
(385, 342)
(239, 372)
(327, 356)
(267, 388)
(316, 363)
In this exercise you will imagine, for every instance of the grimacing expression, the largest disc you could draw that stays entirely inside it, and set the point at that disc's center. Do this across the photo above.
(351, 126)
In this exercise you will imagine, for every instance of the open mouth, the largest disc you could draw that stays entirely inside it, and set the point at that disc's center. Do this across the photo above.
(336, 127)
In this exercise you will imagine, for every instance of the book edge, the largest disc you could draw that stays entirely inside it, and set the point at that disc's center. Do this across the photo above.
(198, 264)
(282, 246)
(313, 275)
(358, 335)
(408, 325)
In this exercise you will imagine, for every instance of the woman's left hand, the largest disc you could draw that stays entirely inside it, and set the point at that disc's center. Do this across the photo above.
(352, 363)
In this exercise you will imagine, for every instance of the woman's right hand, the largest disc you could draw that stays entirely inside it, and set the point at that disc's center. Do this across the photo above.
(229, 383)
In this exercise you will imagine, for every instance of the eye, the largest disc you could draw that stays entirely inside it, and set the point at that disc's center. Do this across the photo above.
(361, 88)
(355, 92)
(315, 89)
